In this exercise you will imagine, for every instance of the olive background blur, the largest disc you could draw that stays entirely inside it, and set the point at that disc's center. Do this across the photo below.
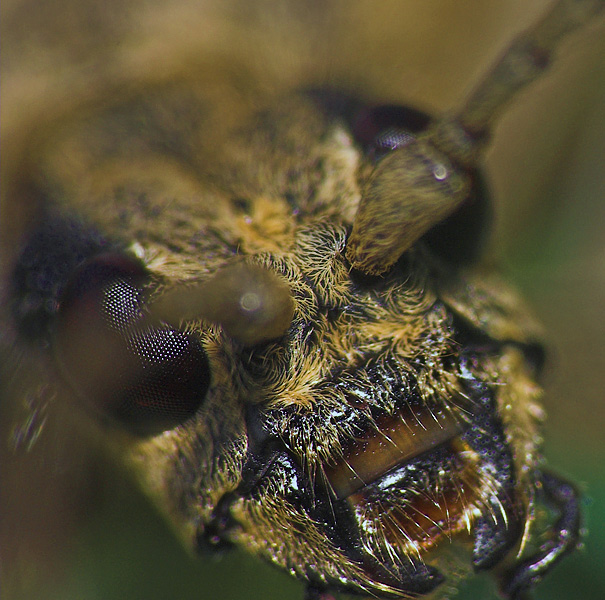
(72, 524)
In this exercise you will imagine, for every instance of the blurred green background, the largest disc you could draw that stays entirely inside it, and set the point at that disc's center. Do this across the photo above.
(75, 527)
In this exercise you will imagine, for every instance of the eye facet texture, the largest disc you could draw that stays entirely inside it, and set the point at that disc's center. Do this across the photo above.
(148, 376)
(384, 128)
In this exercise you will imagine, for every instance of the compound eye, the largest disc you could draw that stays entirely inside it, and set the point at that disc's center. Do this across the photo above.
(382, 129)
(147, 376)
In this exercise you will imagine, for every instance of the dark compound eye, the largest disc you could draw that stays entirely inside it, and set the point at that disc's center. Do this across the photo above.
(381, 129)
(147, 376)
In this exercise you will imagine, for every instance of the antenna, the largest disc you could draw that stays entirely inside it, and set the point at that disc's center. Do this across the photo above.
(420, 184)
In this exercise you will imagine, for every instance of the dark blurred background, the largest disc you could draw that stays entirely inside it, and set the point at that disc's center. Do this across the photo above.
(73, 525)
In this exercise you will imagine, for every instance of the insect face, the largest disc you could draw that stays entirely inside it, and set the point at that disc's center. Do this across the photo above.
(281, 327)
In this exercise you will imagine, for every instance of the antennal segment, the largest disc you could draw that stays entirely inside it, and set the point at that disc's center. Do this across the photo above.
(464, 134)
(252, 304)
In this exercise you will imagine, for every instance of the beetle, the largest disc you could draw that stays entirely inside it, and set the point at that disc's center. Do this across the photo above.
(247, 431)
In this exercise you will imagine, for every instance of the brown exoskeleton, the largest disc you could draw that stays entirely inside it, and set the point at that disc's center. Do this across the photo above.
(283, 331)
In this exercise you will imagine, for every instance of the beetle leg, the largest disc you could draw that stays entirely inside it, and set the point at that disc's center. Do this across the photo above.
(498, 529)
(494, 536)
(561, 495)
